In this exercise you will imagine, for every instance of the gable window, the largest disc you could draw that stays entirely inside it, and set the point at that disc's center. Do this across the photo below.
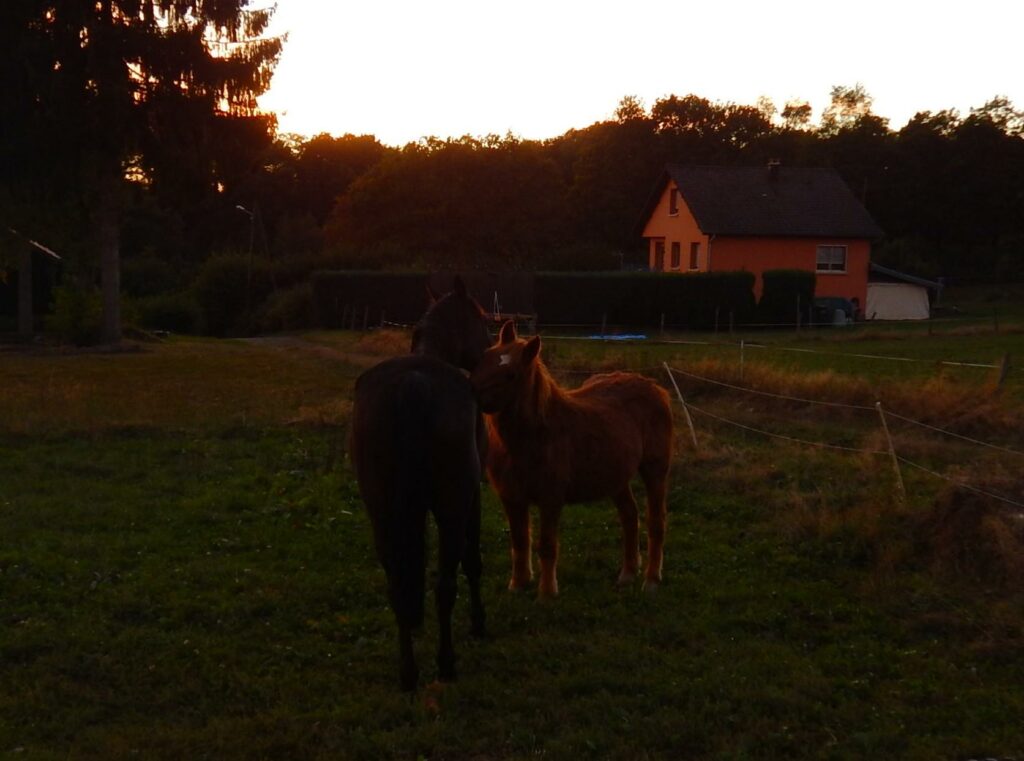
(831, 259)
(673, 202)
(676, 254)
(659, 255)
(694, 255)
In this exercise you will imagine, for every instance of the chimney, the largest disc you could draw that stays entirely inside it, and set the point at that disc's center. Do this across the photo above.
(773, 169)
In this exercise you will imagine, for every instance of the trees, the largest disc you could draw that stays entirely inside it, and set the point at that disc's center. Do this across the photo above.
(127, 83)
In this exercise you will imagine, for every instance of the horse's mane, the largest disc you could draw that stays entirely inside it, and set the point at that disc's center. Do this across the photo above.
(541, 391)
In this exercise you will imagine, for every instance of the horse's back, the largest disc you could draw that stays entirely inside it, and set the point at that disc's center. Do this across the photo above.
(625, 399)
(414, 423)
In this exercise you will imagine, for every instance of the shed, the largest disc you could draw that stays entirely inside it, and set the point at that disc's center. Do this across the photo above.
(896, 295)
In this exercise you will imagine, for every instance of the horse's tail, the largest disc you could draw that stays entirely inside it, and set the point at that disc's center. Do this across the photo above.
(411, 495)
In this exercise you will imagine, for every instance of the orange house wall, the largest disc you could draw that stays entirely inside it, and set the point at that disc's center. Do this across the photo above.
(759, 254)
(722, 254)
(680, 228)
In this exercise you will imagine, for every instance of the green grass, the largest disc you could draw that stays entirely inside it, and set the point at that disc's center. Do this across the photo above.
(183, 582)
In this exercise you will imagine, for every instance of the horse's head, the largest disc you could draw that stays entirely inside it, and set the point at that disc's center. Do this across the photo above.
(504, 369)
(454, 329)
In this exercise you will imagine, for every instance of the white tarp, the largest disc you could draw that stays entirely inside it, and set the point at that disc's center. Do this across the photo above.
(896, 301)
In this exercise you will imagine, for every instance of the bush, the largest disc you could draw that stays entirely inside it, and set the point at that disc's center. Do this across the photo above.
(783, 291)
(641, 298)
(223, 289)
(77, 315)
(174, 312)
(290, 309)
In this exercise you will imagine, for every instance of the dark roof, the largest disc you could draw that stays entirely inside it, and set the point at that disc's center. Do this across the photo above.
(879, 274)
(780, 201)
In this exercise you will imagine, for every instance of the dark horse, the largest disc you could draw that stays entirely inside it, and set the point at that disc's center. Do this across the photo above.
(417, 444)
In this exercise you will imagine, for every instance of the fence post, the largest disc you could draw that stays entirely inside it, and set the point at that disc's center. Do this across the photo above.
(716, 321)
(1004, 370)
(892, 451)
(995, 320)
(604, 323)
(366, 317)
(743, 352)
(686, 412)
(662, 324)
(798, 313)
(731, 321)
(383, 314)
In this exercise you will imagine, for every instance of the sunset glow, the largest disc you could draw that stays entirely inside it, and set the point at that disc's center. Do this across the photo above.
(402, 70)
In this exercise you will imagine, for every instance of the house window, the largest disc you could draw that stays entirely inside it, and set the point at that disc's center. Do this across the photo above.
(676, 254)
(659, 255)
(673, 202)
(694, 256)
(831, 259)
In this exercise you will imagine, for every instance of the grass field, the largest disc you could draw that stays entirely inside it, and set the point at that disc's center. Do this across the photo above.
(186, 570)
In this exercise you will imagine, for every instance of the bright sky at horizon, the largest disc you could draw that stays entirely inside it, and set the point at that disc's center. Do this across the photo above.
(404, 70)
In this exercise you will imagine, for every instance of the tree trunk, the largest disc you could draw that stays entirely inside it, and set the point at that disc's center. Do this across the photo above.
(26, 326)
(108, 238)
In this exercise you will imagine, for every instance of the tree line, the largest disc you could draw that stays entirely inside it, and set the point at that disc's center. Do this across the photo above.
(132, 145)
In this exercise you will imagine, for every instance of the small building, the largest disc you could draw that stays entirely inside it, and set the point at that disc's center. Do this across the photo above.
(895, 295)
(714, 219)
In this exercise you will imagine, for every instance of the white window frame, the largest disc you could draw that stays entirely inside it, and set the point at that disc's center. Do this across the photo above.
(826, 260)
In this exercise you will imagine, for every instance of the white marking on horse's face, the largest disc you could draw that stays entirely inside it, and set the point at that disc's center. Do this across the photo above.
(504, 359)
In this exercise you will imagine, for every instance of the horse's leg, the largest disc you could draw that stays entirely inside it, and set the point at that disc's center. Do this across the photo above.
(402, 551)
(626, 505)
(472, 566)
(547, 549)
(451, 546)
(518, 514)
(655, 477)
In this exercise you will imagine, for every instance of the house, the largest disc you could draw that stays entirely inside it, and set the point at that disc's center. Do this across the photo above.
(714, 219)
(895, 295)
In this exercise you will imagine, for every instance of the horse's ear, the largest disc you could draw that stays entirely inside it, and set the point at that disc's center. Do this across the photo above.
(459, 288)
(531, 350)
(508, 332)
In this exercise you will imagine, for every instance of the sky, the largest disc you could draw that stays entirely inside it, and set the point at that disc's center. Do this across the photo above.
(404, 70)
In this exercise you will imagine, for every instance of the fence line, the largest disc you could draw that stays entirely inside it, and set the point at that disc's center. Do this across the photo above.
(955, 435)
(823, 445)
(775, 396)
(888, 412)
(961, 484)
(819, 444)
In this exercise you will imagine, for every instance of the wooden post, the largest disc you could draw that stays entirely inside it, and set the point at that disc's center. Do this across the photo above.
(26, 326)
(366, 317)
(344, 316)
(995, 320)
(732, 316)
(604, 323)
(686, 412)
(892, 451)
(1004, 370)
(716, 321)
(383, 314)
(662, 324)
(798, 315)
(743, 348)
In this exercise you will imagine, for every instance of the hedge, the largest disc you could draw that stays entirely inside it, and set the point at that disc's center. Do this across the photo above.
(784, 293)
(631, 299)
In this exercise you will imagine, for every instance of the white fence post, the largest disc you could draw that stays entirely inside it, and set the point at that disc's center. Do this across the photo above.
(892, 451)
(686, 412)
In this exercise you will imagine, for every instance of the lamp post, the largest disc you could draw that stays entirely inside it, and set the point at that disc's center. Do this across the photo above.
(248, 268)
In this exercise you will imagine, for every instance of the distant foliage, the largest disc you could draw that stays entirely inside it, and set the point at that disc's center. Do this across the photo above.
(225, 287)
(173, 312)
(77, 315)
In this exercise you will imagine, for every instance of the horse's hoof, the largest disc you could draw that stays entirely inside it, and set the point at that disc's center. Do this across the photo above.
(626, 579)
(518, 586)
(651, 586)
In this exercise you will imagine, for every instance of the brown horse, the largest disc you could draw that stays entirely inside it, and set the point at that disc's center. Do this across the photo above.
(417, 442)
(549, 447)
